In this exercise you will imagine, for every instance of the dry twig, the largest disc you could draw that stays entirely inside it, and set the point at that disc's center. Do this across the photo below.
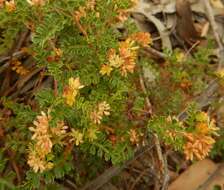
(163, 162)
(202, 100)
(156, 140)
(138, 178)
(154, 52)
(214, 26)
(14, 55)
(113, 171)
(142, 83)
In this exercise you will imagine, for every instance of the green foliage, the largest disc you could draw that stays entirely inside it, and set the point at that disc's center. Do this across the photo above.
(104, 116)
(218, 149)
(162, 126)
(54, 27)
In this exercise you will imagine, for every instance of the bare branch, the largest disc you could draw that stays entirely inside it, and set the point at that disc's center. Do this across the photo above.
(214, 26)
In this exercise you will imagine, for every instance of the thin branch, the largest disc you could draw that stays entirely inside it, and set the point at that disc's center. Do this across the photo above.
(214, 26)
(71, 184)
(163, 162)
(154, 52)
(113, 171)
(156, 139)
(166, 174)
(138, 178)
(14, 55)
(142, 83)
(4, 67)
(202, 100)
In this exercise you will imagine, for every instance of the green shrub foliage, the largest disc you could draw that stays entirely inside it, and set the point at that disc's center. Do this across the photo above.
(96, 112)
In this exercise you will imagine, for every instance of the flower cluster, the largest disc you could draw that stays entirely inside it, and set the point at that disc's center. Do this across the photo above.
(82, 13)
(37, 162)
(36, 2)
(103, 108)
(220, 73)
(76, 136)
(43, 143)
(18, 68)
(55, 55)
(199, 144)
(173, 133)
(10, 6)
(71, 90)
(126, 57)
(134, 136)
(124, 13)
(143, 38)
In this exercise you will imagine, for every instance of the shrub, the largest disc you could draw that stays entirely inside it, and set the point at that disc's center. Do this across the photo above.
(96, 110)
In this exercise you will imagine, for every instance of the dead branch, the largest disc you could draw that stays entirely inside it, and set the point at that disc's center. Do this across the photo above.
(163, 162)
(113, 171)
(142, 83)
(154, 52)
(14, 55)
(211, 18)
(138, 178)
(202, 100)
